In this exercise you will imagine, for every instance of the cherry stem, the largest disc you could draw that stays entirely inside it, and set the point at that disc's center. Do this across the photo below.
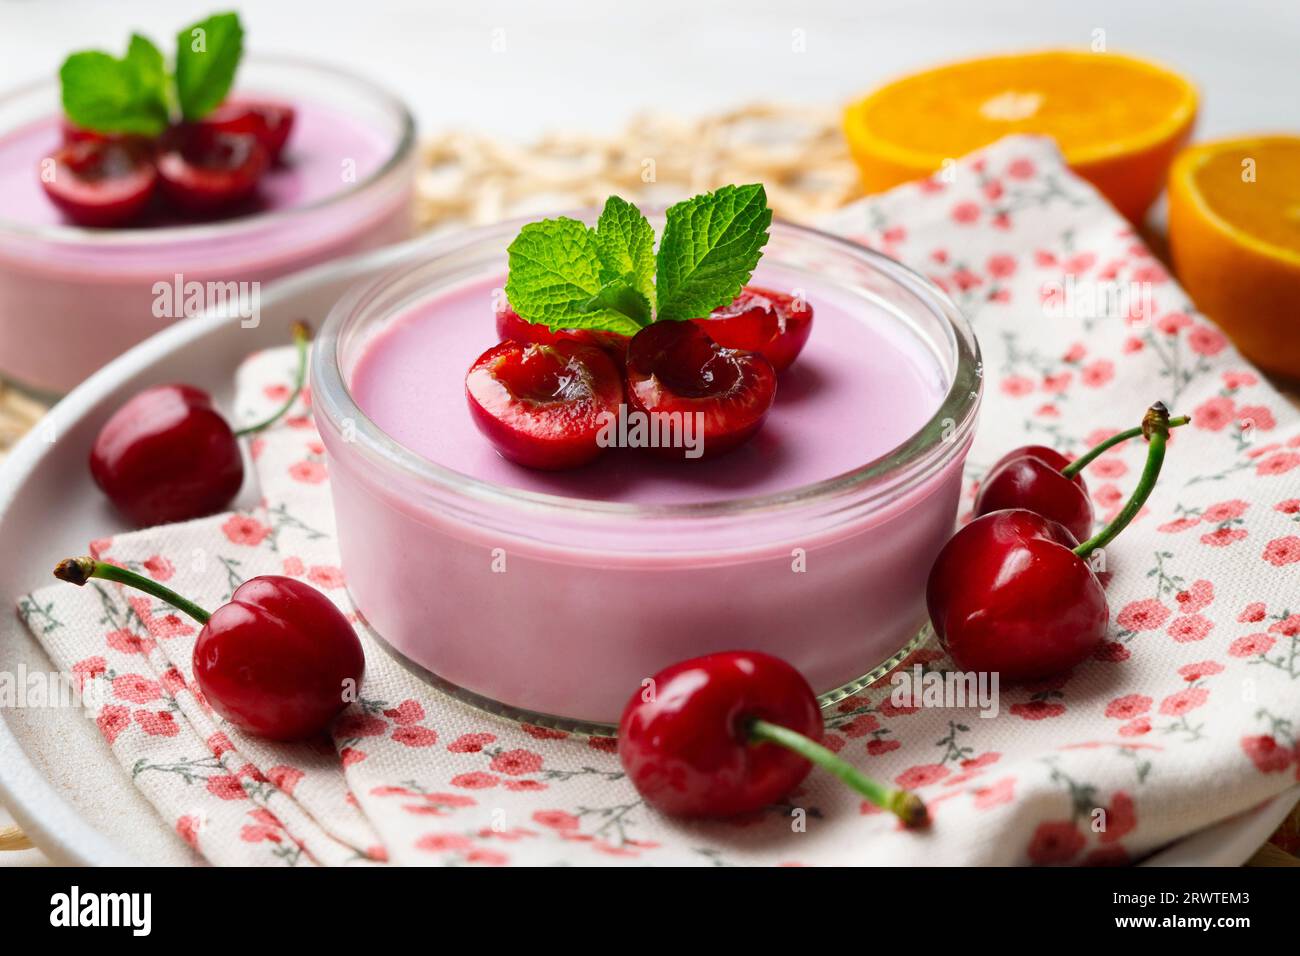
(1083, 461)
(903, 804)
(301, 337)
(80, 570)
(1155, 426)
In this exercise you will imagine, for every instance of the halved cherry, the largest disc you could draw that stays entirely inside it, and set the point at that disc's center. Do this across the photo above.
(675, 367)
(72, 133)
(203, 169)
(511, 325)
(543, 406)
(771, 323)
(268, 121)
(99, 182)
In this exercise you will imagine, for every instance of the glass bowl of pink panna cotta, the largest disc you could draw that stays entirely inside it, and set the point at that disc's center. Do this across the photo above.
(550, 597)
(73, 298)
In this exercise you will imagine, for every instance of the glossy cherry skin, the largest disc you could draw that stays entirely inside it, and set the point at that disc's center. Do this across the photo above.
(270, 122)
(204, 170)
(771, 323)
(167, 455)
(1007, 594)
(683, 738)
(1030, 478)
(510, 325)
(544, 406)
(676, 368)
(100, 182)
(278, 659)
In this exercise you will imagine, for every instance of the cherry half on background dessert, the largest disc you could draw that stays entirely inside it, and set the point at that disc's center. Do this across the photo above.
(675, 368)
(1042, 480)
(1013, 592)
(278, 660)
(543, 406)
(100, 182)
(730, 733)
(169, 455)
(202, 169)
(268, 122)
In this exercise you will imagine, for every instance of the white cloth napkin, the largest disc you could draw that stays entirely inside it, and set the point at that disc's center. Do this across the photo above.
(1188, 714)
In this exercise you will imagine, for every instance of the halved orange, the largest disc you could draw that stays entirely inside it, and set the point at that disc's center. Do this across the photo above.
(1118, 120)
(1234, 234)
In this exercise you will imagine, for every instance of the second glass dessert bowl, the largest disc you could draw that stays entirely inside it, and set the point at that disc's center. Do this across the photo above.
(551, 598)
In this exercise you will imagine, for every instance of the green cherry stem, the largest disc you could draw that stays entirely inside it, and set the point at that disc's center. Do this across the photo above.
(80, 570)
(903, 804)
(1155, 426)
(1083, 461)
(301, 338)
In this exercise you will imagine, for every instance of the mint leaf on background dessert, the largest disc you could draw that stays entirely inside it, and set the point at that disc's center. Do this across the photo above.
(710, 246)
(111, 95)
(567, 276)
(556, 280)
(207, 55)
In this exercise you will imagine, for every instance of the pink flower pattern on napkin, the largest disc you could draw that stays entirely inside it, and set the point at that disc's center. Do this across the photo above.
(1153, 739)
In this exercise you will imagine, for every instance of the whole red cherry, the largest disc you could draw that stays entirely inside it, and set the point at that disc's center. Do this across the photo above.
(675, 368)
(97, 181)
(544, 406)
(730, 733)
(169, 455)
(774, 324)
(1031, 478)
(278, 660)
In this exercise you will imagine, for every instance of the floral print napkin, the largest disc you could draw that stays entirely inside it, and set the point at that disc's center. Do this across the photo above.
(1188, 714)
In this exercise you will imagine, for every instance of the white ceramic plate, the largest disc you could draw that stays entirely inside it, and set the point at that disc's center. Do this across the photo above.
(57, 777)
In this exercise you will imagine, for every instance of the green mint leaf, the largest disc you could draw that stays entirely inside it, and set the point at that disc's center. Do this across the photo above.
(710, 246)
(619, 296)
(110, 95)
(207, 55)
(625, 241)
(555, 280)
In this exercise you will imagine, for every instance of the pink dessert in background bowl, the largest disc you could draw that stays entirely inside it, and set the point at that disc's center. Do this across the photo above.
(73, 298)
(550, 596)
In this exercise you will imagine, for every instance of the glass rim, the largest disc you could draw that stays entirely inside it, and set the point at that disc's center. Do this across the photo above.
(333, 399)
(198, 232)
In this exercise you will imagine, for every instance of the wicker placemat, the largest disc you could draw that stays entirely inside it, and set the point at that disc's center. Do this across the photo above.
(468, 179)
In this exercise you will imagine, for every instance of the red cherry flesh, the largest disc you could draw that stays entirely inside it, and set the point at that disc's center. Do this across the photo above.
(100, 182)
(512, 326)
(203, 170)
(1007, 594)
(1031, 478)
(774, 324)
(676, 368)
(687, 749)
(278, 659)
(270, 122)
(167, 455)
(544, 406)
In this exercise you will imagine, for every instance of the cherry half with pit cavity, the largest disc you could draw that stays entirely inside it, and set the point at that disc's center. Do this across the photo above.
(675, 368)
(100, 182)
(278, 660)
(203, 169)
(169, 455)
(1014, 593)
(774, 324)
(1042, 480)
(543, 406)
(267, 121)
(730, 733)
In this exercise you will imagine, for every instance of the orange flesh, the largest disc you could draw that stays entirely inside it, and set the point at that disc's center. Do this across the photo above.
(1268, 208)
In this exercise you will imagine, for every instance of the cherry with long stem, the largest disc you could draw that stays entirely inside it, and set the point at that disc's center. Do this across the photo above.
(278, 660)
(1088, 457)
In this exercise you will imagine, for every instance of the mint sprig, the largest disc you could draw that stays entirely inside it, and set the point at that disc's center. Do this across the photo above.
(566, 275)
(134, 94)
